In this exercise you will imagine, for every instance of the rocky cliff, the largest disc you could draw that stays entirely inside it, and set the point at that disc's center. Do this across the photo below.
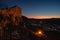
(9, 15)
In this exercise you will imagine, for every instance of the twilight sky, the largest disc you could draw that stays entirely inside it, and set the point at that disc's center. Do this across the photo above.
(35, 8)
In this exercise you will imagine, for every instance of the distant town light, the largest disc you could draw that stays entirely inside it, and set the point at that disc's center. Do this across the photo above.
(39, 33)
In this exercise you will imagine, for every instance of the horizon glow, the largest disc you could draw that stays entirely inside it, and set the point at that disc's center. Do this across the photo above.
(43, 17)
(35, 8)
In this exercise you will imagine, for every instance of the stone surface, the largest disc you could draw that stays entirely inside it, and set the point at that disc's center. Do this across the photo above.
(9, 15)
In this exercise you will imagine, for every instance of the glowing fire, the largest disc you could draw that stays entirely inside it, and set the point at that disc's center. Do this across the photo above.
(39, 33)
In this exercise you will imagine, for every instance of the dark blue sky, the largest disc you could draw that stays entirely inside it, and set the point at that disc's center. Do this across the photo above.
(36, 8)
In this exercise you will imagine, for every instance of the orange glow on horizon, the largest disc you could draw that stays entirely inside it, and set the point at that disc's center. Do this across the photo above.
(43, 17)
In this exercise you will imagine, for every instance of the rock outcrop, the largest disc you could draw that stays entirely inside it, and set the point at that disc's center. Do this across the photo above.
(9, 15)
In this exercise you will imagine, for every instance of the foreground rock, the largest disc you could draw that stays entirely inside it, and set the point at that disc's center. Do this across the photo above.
(9, 16)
